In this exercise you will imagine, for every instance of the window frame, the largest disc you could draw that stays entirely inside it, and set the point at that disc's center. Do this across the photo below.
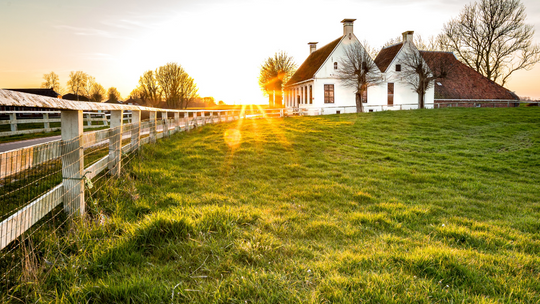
(327, 97)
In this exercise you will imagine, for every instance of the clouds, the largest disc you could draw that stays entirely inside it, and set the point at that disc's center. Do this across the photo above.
(88, 31)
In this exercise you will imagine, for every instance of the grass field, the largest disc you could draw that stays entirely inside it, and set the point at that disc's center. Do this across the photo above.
(423, 206)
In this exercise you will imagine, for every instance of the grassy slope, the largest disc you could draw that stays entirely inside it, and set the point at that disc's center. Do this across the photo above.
(407, 206)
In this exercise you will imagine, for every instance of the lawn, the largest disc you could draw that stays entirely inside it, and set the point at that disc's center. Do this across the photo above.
(423, 206)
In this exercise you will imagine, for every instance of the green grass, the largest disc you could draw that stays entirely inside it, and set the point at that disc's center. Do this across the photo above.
(424, 206)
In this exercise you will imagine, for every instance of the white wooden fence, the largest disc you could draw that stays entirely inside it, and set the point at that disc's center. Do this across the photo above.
(45, 118)
(70, 149)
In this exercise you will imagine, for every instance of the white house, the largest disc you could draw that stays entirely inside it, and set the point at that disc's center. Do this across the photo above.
(397, 93)
(315, 86)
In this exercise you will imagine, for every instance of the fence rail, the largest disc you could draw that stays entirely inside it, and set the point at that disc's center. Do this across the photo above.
(438, 104)
(16, 118)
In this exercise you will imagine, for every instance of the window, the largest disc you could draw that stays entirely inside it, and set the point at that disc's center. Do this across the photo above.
(328, 93)
(390, 94)
(364, 96)
(335, 65)
(364, 66)
(398, 67)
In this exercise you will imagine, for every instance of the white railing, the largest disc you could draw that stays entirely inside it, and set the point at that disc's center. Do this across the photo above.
(46, 118)
(68, 154)
(438, 104)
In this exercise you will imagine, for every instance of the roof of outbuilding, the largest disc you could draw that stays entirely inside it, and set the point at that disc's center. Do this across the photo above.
(72, 96)
(463, 82)
(41, 92)
(312, 64)
(386, 55)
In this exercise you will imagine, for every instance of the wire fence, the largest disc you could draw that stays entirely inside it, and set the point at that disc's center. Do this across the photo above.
(43, 187)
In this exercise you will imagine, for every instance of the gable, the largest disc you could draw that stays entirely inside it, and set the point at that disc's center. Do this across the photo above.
(386, 55)
(463, 82)
(312, 64)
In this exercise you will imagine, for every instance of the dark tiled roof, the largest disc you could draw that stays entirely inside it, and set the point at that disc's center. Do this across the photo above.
(386, 55)
(312, 64)
(71, 96)
(463, 82)
(42, 92)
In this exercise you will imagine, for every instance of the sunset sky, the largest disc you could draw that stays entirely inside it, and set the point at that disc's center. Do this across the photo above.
(221, 44)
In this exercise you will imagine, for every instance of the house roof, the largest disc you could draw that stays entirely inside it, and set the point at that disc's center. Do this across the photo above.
(386, 55)
(41, 92)
(463, 82)
(116, 102)
(312, 64)
(72, 96)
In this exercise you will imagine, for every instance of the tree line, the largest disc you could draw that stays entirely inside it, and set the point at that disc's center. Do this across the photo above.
(167, 86)
(489, 36)
(81, 84)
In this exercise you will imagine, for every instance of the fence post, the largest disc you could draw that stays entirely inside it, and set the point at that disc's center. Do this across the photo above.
(135, 130)
(105, 122)
(165, 118)
(73, 162)
(46, 123)
(186, 121)
(115, 142)
(88, 120)
(281, 113)
(153, 122)
(13, 121)
(176, 122)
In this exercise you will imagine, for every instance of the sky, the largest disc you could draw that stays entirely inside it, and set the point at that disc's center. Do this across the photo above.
(220, 43)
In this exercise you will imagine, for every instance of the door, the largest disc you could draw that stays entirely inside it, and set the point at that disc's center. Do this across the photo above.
(390, 94)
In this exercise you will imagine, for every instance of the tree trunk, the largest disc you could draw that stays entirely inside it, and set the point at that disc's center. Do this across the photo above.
(359, 105)
(421, 100)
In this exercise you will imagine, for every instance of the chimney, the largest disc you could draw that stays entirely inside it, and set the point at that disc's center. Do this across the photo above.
(347, 26)
(312, 47)
(408, 36)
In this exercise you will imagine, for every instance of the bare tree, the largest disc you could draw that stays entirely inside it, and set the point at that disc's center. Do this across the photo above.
(169, 77)
(418, 74)
(275, 72)
(491, 37)
(52, 81)
(97, 92)
(89, 85)
(113, 95)
(77, 82)
(149, 89)
(188, 91)
(358, 71)
(178, 88)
